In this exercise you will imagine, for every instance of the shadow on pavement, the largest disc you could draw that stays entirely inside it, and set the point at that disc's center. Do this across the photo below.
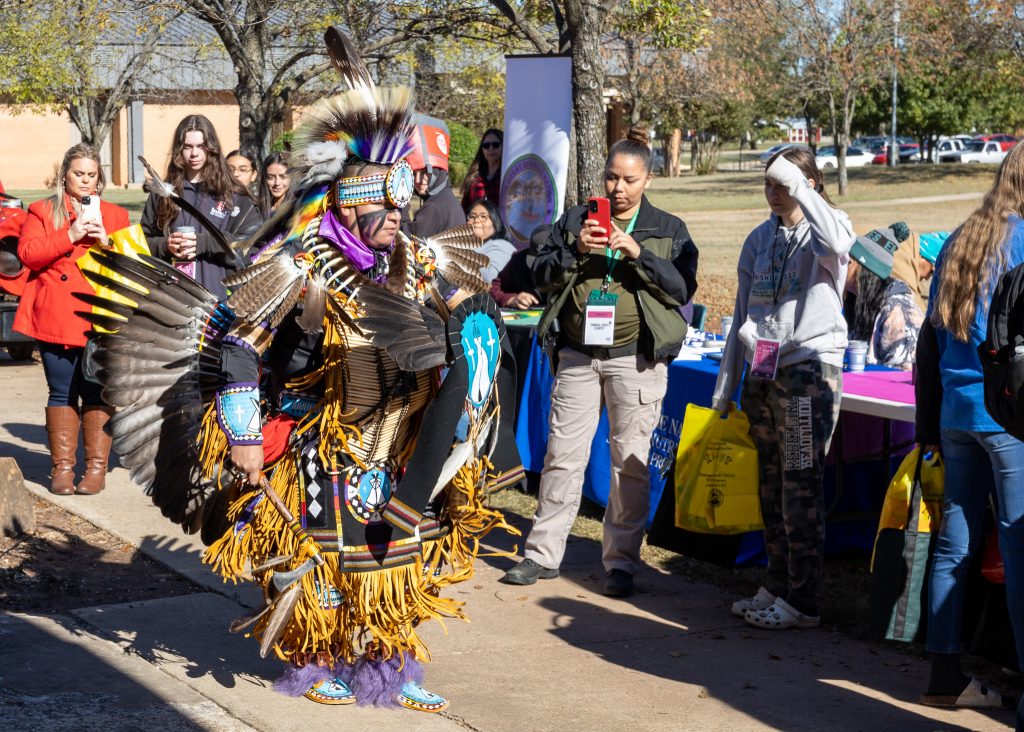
(789, 682)
(53, 679)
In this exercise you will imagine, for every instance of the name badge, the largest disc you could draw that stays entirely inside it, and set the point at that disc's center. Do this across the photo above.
(599, 319)
(766, 359)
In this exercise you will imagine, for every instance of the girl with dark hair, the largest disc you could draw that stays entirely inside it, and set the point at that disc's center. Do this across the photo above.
(243, 168)
(57, 232)
(199, 174)
(486, 222)
(788, 327)
(483, 179)
(981, 459)
(274, 182)
(616, 297)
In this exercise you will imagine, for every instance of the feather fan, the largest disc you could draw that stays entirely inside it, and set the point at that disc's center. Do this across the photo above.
(159, 368)
(455, 255)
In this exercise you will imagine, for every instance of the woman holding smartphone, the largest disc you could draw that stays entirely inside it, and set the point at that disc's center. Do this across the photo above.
(58, 230)
(199, 174)
(615, 293)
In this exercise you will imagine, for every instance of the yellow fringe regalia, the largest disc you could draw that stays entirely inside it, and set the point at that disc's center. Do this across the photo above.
(381, 445)
(362, 416)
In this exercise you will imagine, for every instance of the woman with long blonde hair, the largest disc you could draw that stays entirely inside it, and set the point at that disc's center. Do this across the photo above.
(980, 457)
(57, 232)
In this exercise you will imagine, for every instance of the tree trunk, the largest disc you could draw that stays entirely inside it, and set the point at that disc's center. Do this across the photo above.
(253, 121)
(569, 197)
(633, 79)
(672, 152)
(586, 22)
(843, 141)
(94, 119)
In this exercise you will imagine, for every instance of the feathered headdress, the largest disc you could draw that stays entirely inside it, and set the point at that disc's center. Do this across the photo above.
(362, 124)
(365, 123)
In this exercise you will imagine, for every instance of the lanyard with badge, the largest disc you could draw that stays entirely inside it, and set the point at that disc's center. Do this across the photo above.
(599, 314)
(765, 363)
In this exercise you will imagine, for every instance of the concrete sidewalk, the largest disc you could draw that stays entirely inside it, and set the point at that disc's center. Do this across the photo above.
(554, 656)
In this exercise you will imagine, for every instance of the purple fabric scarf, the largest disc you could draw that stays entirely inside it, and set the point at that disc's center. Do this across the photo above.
(357, 251)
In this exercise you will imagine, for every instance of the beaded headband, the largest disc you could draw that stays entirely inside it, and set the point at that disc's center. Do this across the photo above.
(393, 188)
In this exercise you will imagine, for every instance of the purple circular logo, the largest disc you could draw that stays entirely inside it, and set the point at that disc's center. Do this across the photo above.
(528, 196)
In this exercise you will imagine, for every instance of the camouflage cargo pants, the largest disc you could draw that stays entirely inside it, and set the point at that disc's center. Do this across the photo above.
(791, 422)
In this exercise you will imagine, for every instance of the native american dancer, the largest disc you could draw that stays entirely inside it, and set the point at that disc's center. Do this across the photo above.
(332, 430)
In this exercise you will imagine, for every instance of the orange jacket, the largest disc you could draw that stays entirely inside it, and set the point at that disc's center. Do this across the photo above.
(47, 308)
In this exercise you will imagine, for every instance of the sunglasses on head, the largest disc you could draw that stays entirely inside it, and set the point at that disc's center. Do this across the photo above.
(490, 145)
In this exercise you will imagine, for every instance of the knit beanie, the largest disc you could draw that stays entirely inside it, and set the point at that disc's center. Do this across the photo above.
(931, 244)
(875, 249)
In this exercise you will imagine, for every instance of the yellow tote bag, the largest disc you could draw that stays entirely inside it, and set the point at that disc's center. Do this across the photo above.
(896, 507)
(716, 474)
(131, 242)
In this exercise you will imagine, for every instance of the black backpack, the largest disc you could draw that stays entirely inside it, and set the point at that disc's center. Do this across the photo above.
(1002, 354)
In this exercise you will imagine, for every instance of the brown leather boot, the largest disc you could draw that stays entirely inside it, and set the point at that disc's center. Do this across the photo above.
(62, 433)
(97, 449)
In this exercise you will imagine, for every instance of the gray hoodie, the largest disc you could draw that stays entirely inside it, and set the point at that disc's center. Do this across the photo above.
(806, 314)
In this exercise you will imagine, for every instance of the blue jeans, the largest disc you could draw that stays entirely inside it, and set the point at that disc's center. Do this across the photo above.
(976, 464)
(62, 366)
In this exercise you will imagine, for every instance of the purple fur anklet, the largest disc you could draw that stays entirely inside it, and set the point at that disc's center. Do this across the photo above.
(378, 682)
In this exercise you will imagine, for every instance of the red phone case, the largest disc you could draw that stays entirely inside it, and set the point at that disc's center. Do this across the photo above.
(600, 210)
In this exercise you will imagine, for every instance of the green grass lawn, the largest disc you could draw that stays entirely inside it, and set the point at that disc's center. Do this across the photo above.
(739, 191)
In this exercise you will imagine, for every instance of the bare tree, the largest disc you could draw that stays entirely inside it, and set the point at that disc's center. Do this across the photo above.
(276, 45)
(842, 50)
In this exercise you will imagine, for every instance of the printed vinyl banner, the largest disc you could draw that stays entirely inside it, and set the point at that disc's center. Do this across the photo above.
(535, 155)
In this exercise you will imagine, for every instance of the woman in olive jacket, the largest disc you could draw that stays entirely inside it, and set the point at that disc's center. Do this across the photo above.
(627, 284)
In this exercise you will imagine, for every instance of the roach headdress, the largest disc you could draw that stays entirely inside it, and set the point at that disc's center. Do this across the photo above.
(364, 124)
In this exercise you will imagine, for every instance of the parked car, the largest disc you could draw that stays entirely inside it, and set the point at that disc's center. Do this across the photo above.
(980, 151)
(855, 157)
(1005, 141)
(870, 142)
(910, 152)
(767, 154)
(946, 148)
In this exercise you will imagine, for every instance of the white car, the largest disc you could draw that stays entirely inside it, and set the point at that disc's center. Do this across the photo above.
(980, 152)
(855, 157)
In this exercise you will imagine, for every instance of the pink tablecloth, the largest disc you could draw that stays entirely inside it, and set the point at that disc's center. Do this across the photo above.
(894, 386)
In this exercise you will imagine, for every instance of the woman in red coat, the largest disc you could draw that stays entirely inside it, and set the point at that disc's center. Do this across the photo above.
(56, 233)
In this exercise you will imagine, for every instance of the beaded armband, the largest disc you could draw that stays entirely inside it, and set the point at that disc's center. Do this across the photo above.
(238, 414)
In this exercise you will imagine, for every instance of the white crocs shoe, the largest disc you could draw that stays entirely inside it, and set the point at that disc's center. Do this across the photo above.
(760, 601)
(780, 615)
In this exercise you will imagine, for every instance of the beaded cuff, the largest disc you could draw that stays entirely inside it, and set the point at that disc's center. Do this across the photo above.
(238, 414)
